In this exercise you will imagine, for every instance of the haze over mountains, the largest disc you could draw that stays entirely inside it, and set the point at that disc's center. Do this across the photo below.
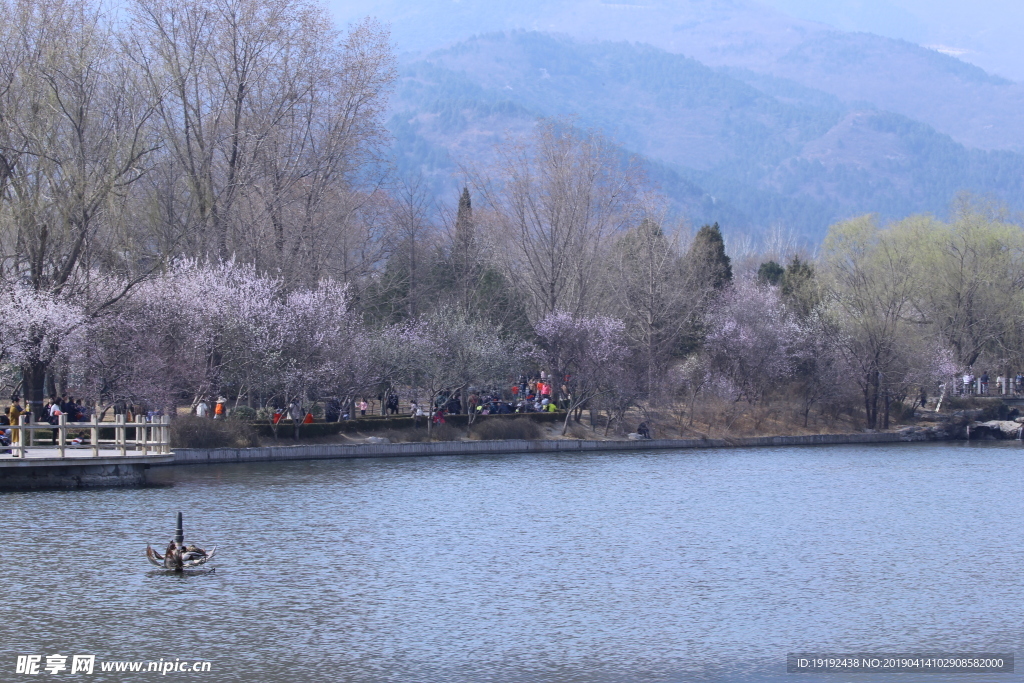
(985, 33)
(746, 115)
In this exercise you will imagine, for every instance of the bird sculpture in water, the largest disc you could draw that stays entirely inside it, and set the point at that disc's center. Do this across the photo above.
(178, 557)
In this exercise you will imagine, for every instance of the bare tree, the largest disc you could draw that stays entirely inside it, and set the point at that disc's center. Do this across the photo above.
(72, 142)
(656, 294)
(400, 287)
(273, 117)
(556, 199)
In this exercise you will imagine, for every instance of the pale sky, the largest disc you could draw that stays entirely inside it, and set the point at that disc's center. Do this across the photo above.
(989, 33)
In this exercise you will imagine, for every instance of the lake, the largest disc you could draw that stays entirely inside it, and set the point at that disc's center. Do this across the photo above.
(583, 568)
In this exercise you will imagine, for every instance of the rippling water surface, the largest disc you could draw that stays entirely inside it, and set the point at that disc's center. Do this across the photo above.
(660, 566)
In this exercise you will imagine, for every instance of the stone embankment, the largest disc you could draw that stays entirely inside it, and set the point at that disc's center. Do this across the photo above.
(44, 470)
(964, 424)
(189, 456)
(996, 429)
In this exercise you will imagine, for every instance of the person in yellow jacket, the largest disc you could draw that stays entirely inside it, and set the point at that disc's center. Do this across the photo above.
(13, 413)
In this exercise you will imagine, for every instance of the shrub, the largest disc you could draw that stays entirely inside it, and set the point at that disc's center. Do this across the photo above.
(243, 414)
(444, 432)
(900, 412)
(960, 403)
(996, 411)
(191, 431)
(500, 429)
(578, 430)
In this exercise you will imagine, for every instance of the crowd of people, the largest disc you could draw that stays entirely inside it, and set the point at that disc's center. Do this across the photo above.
(67, 406)
(530, 394)
(979, 386)
(72, 410)
(527, 395)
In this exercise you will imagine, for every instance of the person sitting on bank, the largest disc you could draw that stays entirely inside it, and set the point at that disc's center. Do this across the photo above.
(643, 430)
(5, 434)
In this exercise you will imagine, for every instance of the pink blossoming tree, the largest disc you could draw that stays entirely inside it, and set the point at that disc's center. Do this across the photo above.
(584, 353)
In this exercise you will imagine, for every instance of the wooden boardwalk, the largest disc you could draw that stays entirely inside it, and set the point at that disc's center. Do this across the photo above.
(40, 441)
(42, 455)
(28, 464)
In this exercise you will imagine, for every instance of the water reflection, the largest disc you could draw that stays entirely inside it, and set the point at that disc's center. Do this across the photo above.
(581, 568)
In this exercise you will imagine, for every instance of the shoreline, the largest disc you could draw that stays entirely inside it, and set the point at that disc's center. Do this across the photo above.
(202, 456)
(83, 472)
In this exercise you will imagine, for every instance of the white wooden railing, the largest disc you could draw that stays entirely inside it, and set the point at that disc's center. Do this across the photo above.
(151, 438)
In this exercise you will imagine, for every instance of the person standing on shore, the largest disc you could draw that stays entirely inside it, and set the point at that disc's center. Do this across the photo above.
(54, 412)
(13, 413)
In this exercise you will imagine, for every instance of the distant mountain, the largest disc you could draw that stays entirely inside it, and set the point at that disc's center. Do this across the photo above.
(729, 144)
(974, 107)
(986, 34)
(961, 100)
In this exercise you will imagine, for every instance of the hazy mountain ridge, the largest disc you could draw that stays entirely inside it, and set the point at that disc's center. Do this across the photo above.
(974, 107)
(759, 149)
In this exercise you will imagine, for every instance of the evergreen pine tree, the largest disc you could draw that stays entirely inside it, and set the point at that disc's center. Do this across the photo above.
(464, 256)
(770, 273)
(464, 237)
(708, 258)
(799, 287)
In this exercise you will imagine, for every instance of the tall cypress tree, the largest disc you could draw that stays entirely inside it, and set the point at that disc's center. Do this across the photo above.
(708, 258)
(464, 230)
(463, 253)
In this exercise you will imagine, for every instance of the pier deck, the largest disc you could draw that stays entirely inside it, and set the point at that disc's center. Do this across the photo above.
(73, 467)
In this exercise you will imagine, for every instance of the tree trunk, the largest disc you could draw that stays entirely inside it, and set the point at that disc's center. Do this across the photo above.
(871, 400)
(565, 425)
(885, 419)
(867, 403)
(35, 387)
